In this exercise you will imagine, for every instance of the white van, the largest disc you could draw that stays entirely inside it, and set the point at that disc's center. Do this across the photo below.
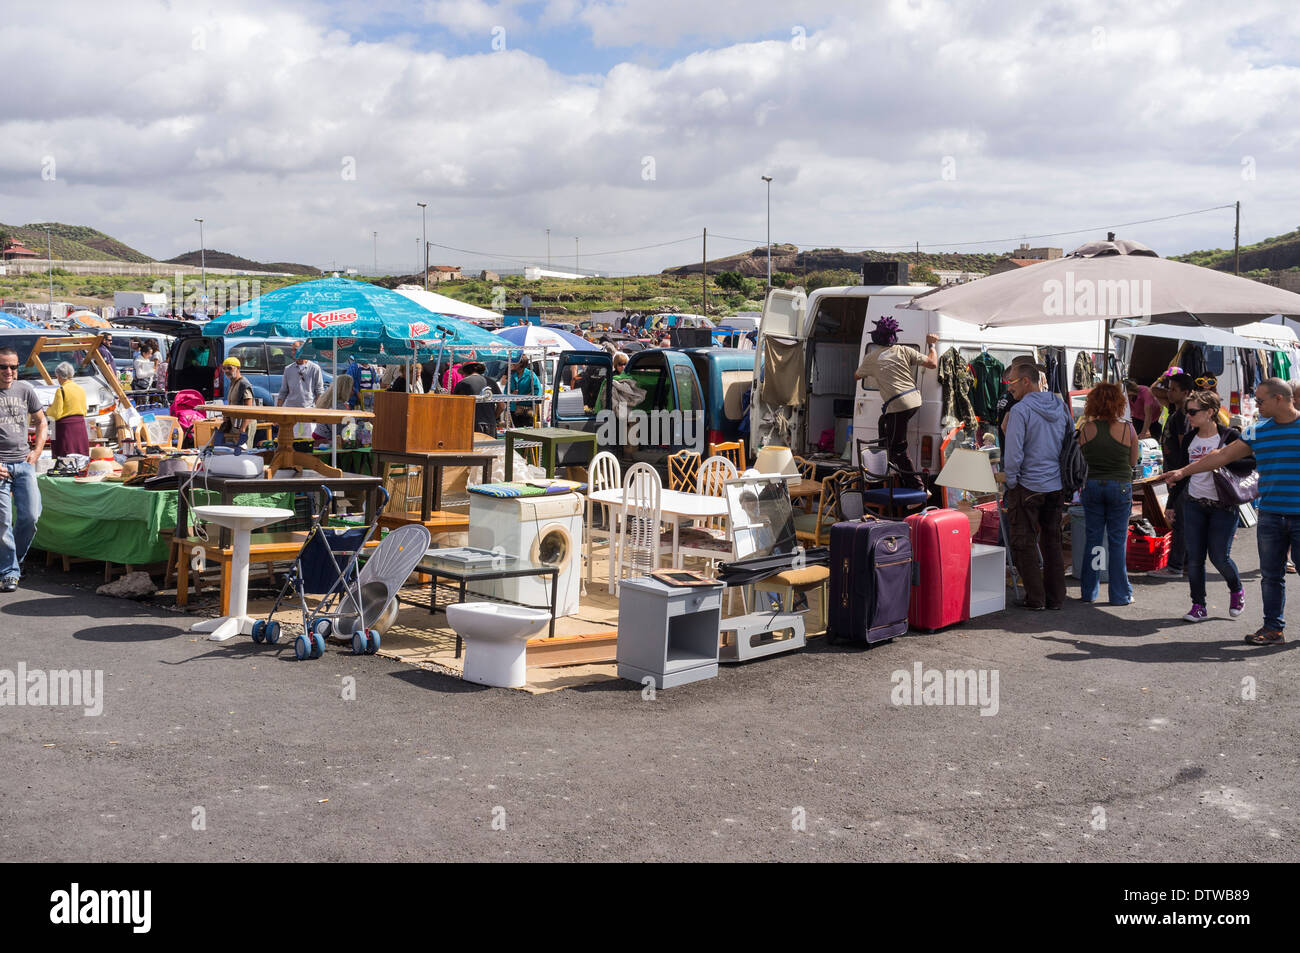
(828, 331)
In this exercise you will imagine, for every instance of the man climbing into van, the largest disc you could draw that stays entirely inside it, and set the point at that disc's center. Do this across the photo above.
(1035, 429)
(893, 367)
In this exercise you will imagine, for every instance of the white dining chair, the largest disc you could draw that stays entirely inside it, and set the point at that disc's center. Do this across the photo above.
(710, 538)
(603, 473)
(639, 543)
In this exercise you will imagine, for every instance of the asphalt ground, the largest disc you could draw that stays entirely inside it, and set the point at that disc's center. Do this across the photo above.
(1120, 734)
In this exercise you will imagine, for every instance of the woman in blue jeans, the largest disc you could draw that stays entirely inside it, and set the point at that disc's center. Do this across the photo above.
(1110, 447)
(1209, 525)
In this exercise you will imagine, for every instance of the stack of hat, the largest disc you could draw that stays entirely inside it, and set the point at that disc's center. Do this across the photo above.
(102, 466)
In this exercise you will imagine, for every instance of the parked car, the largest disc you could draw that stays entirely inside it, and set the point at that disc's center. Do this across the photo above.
(100, 398)
(688, 412)
(196, 363)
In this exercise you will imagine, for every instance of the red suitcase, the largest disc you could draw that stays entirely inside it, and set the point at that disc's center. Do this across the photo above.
(940, 569)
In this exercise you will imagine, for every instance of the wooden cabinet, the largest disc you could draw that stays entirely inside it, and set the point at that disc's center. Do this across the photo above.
(423, 423)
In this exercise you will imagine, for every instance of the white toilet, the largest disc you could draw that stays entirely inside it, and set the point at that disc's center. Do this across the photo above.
(496, 640)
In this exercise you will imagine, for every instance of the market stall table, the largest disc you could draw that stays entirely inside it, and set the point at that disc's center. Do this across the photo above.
(674, 506)
(440, 568)
(286, 457)
(126, 525)
(550, 438)
(241, 520)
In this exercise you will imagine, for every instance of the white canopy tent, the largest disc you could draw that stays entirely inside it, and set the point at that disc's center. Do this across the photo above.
(441, 304)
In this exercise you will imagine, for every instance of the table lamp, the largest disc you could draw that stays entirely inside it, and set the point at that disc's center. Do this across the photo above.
(774, 459)
(968, 470)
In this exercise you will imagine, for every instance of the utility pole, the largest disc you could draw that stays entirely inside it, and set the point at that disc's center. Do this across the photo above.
(1236, 243)
(376, 238)
(768, 180)
(704, 277)
(575, 255)
(424, 240)
(203, 266)
(548, 249)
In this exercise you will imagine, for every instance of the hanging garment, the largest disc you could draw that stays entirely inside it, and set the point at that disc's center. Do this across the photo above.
(1192, 359)
(988, 372)
(1281, 365)
(1058, 381)
(1250, 370)
(957, 385)
(1085, 371)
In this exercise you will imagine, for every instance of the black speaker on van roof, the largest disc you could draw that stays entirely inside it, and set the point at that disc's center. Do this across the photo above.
(690, 337)
(884, 272)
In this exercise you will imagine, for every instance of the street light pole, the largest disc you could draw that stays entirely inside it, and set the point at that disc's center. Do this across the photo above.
(548, 249)
(203, 268)
(424, 239)
(376, 238)
(768, 180)
(575, 255)
(49, 269)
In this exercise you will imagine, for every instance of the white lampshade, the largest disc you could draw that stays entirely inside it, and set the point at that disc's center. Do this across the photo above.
(773, 459)
(968, 470)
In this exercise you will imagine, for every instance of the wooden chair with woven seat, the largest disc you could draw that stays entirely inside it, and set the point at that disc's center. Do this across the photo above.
(683, 467)
(814, 528)
(807, 474)
(709, 539)
(785, 586)
(733, 451)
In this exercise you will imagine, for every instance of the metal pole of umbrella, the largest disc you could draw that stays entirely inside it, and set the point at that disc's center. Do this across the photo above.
(1105, 353)
(334, 405)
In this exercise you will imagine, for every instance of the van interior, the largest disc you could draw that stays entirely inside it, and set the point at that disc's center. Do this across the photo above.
(833, 346)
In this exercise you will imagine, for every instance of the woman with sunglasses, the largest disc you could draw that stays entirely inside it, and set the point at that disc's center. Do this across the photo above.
(1209, 525)
(1110, 447)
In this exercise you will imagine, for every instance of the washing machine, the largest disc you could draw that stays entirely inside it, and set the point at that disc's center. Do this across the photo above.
(545, 529)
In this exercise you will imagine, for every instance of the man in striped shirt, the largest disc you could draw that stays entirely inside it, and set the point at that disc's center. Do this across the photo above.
(1275, 441)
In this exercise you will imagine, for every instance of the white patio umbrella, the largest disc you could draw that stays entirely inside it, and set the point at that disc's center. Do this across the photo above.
(441, 304)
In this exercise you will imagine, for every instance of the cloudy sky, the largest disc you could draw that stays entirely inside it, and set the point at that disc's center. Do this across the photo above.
(297, 130)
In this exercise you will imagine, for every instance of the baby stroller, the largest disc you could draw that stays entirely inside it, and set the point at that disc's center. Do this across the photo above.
(359, 601)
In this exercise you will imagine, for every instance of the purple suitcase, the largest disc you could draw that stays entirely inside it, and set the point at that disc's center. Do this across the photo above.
(871, 580)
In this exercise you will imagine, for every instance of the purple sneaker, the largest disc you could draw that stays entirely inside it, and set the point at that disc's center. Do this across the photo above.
(1197, 613)
(1238, 604)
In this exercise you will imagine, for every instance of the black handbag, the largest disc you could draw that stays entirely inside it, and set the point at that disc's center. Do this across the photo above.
(1234, 490)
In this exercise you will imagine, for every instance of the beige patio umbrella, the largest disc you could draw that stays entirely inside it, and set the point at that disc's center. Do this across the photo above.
(1107, 281)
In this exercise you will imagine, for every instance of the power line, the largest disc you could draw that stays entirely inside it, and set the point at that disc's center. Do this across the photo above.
(595, 254)
(986, 241)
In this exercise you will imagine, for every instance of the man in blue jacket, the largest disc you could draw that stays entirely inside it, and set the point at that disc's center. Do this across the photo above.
(1035, 429)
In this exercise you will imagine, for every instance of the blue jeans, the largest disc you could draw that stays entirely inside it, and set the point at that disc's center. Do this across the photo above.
(1276, 535)
(1208, 530)
(20, 508)
(1106, 508)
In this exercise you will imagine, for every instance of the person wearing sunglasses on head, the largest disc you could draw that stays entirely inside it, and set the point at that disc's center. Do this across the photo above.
(1209, 523)
(1276, 445)
(20, 500)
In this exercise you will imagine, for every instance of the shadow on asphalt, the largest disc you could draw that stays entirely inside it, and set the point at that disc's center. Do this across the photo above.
(48, 606)
(131, 632)
(240, 647)
(1233, 650)
(438, 682)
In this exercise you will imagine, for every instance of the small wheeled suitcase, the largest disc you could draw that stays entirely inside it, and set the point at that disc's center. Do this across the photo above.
(940, 569)
(871, 580)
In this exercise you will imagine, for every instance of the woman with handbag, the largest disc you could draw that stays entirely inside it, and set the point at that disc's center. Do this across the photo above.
(1110, 447)
(1210, 512)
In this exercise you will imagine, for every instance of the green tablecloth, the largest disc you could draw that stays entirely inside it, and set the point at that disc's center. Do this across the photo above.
(117, 523)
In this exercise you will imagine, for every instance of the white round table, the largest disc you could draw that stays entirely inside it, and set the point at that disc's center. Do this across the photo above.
(241, 521)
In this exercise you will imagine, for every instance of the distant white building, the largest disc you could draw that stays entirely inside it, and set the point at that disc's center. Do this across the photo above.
(534, 272)
(947, 277)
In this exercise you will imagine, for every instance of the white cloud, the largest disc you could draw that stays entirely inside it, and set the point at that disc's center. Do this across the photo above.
(1055, 116)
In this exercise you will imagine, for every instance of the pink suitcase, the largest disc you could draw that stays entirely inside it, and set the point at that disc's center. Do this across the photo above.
(941, 546)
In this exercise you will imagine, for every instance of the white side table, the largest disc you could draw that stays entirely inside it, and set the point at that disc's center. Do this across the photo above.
(241, 521)
(988, 579)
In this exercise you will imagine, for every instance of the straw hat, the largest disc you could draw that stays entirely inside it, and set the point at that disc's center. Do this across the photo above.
(100, 470)
(101, 453)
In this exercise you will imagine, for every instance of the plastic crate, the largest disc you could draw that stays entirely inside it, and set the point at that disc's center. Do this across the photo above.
(1147, 553)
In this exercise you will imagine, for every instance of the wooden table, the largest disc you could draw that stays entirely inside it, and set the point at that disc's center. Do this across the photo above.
(286, 457)
(433, 463)
(550, 438)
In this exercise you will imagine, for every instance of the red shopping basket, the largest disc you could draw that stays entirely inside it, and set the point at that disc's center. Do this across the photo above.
(1147, 553)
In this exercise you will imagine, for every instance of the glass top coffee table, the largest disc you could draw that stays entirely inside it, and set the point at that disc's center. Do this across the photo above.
(445, 564)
